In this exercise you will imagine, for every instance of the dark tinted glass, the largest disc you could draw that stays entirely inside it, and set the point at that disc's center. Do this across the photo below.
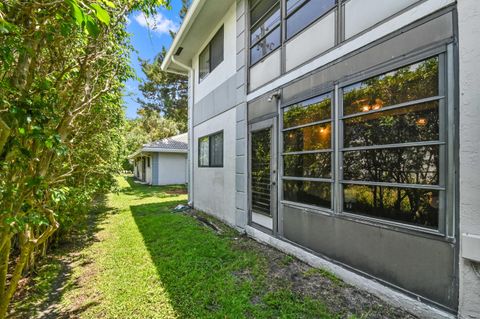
(410, 165)
(260, 172)
(308, 165)
(315, 137)
(216, 150)
(307, 192)
(204, 63)
(313, 110)
(293, 4)
(203, 151)
(416, 123)
(260, 9)
(415, 206)
(311, 11)
(216, 50)
(267, 24)
(409, 83)
(265, 46)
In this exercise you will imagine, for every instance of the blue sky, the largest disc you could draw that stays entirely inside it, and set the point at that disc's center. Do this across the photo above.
(148, 35)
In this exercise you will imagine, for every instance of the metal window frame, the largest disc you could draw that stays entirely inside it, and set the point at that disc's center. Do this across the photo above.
(443, 129)
(271, 123)
(269, 53)
(312, 99)
(287, 16)
(447, 216)
(208, 46)
(250, 27)
(282, 25)
(272, 9)
(209, 136)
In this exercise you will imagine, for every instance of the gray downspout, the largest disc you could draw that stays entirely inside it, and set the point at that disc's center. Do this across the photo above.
(191, 171)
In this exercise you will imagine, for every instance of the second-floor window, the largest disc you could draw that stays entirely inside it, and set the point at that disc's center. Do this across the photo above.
(265, 32)
(212, 55)
(266, 27)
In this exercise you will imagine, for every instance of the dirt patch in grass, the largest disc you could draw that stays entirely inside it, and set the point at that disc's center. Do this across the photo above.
(287, 273)
(177, 192)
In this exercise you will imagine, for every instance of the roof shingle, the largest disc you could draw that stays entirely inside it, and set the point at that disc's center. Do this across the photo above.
(177, 142)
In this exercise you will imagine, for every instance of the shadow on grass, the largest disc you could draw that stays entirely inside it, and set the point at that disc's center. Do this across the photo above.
(143, 191)
(53, 278)
(215, 275)
(195, 266)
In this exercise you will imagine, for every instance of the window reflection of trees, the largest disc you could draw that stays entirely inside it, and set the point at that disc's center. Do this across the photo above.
(307, 158)
(399, 164)
(261, 170)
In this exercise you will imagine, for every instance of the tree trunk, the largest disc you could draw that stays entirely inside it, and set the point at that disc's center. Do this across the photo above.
(4, 134)
(4, 257)
(9, 290)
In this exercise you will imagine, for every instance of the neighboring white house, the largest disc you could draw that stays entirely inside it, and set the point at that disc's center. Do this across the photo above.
(162, 162)
(345, 132)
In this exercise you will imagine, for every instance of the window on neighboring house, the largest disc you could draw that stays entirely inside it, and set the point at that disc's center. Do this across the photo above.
(392, 151)
(212, 55)
(307, 152)
(210, 150)
(265, 32)
(148, 161)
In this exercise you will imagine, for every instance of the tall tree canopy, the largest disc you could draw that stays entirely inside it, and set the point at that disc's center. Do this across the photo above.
(163, 92)
(62, 68)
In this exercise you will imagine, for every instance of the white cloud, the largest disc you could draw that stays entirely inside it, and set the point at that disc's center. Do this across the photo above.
(157, 23)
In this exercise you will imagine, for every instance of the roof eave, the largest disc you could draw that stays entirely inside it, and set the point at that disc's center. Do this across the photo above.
(177, 41)
(156, 150)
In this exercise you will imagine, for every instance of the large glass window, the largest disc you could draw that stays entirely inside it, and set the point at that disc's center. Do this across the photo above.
(392, 145)
(210, 150)
(307, 157)
(391, 159)
(212, 55)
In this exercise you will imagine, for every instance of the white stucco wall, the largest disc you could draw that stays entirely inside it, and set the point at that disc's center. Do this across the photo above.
(469, 52)
(227, 68)
(214, 187)
(172, 168)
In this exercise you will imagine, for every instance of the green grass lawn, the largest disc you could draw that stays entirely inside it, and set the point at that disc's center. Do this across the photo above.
(146, 262)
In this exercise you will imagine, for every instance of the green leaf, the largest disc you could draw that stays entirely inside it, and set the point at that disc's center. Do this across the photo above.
(5, 26)
(109, 3)
(49, 143)
(101, 13)
(92, 27)
(77, 12)
(21, 130)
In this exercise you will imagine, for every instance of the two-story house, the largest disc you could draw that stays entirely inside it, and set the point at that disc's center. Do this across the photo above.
(345, 132)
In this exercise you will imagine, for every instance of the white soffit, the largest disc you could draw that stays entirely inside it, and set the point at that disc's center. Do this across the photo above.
(198, 24)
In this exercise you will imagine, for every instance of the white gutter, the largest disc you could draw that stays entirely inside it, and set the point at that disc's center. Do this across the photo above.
(157, 150)
(189, 17)
(190, 129)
